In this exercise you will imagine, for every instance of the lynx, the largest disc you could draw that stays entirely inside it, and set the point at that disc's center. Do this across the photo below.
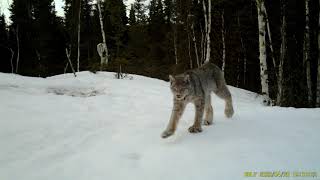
(195, 86)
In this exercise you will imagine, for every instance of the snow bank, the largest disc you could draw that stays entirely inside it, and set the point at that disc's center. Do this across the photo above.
(98, 127)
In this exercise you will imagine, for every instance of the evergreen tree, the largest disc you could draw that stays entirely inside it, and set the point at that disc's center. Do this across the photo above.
(3, 31)
(132, 15)
(140, 11)
(115, 22)
(168, 10)
(5, 50)
(292, 81)
(23, 28)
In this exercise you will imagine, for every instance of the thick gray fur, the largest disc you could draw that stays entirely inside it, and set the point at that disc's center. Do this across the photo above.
(195, 86)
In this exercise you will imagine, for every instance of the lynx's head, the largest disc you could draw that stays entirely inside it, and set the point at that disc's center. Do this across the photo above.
(180, 86)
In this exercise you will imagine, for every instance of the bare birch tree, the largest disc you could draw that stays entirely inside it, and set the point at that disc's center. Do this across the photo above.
(195, 45)
(77, 16)
(270, 37)
(223, 42)
(11, 63)
(207, 18)
(18, 49)
(318, 76)
(202, 46)
(175, 43)
(306, 50)
(262, 50)
(102, 47)
(189, 41)
(283, 50)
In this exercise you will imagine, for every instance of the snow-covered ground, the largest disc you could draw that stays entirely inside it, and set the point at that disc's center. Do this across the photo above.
(96, 127)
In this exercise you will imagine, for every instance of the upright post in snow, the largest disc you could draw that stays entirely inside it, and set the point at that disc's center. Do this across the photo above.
(102, 47)
(262, 50)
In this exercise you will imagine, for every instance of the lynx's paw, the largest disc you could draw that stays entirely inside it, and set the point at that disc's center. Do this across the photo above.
(195, 129)
(207, 122)
(229, 112)
(167, 133)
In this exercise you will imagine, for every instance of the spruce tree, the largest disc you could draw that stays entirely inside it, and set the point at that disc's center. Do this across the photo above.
(132, 15)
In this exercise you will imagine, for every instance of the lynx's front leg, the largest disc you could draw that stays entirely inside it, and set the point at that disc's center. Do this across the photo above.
(177, 111)
(196, 127)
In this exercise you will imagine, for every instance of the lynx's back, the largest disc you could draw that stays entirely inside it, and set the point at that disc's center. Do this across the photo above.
(209, 77)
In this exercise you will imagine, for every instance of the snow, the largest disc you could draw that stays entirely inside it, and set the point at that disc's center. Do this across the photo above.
(98, 127)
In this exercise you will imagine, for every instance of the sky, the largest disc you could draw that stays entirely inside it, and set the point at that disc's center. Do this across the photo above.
(5, 4)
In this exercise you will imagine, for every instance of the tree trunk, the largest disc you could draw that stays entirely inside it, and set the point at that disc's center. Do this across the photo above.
(39, 61)
(238, 72)
(223, 42)
(105, 59)
(270, 37)
(205, 31)
(293, 81)
(243, 51)
(306, 51)
(202, 46)
(11, 62)
(318, 76)
(78, 36)
(262, 50)
(189, 49)
(175, 42)
(195, 45)
(281, 60)
(208, 29)
(18, 49)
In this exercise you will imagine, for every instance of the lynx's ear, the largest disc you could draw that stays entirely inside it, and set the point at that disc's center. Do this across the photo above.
(187, 78)
(171, 78)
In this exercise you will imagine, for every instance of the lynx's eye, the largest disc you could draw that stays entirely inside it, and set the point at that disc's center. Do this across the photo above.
(174, 88)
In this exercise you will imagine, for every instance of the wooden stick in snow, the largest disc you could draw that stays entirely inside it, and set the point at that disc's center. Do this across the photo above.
(68, 56)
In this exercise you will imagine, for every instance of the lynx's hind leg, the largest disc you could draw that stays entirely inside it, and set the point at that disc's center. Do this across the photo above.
(208, 111)
(224, 93)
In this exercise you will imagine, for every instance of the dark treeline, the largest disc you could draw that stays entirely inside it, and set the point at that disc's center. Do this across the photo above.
(164, 37)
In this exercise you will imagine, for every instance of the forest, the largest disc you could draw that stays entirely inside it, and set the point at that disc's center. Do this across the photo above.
(268, 47)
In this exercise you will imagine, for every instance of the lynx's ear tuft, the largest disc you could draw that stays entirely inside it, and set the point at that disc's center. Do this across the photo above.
(187, 78)
(171, 78)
